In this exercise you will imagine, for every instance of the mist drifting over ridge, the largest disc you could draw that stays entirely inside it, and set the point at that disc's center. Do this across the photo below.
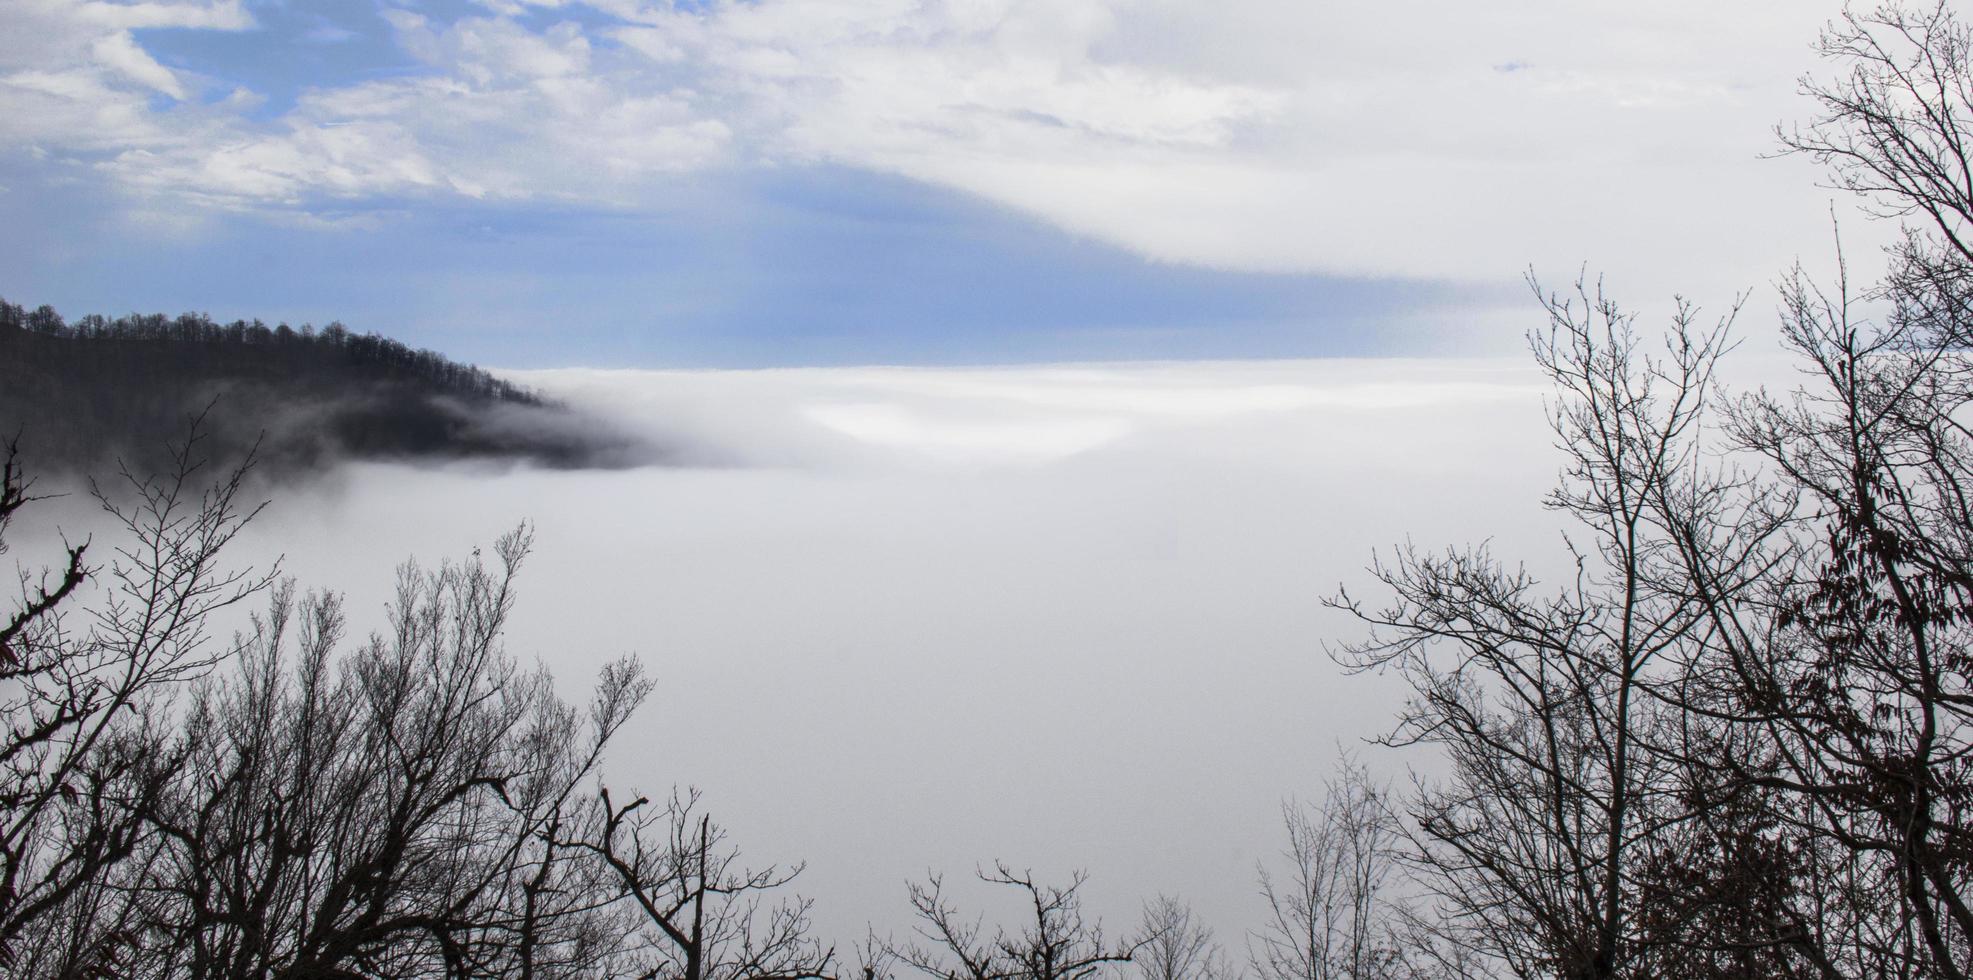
(1064, 614)
(101, 393)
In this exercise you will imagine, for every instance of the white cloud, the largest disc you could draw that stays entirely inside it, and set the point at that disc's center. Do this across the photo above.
(1325, 137)
(881, 418)
(1252, 134)
(120, 53)
(504, 113)
(77, 81)
(219, 15)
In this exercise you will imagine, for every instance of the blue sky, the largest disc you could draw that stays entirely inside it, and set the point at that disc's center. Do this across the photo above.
(812, 266)
(626, 182)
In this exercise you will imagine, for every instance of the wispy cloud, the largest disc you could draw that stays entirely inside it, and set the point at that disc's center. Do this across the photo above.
(984, 418)
(1418, 138)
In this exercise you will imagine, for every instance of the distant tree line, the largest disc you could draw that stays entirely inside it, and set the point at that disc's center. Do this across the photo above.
(98, 389)
(1735, 741)
(200, 343)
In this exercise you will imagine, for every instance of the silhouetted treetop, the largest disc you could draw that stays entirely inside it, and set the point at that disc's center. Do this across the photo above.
(95, 389)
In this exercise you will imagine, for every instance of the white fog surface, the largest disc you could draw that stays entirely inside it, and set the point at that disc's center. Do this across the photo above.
(919, 619)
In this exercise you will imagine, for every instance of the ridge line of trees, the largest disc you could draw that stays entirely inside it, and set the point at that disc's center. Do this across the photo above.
(96, 390)
(281, 345)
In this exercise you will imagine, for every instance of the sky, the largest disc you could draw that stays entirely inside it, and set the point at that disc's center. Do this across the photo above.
(538, 183)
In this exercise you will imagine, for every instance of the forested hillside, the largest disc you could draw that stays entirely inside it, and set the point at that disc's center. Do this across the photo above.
(90, 392)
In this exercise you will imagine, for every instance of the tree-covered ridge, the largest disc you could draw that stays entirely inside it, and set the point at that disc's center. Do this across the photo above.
(97, 389)
(278, 351)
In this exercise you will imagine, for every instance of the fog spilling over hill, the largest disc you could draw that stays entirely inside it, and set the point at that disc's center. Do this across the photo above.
(86, 394)
(1066, 614)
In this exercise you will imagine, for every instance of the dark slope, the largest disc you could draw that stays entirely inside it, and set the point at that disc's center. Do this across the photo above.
(84, 394)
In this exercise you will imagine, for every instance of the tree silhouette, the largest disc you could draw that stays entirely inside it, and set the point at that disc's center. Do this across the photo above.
(101, 389)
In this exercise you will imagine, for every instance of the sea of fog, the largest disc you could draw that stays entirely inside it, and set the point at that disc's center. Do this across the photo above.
(912, 620)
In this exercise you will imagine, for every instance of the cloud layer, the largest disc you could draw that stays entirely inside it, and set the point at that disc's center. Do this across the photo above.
(1415, 138)
(923, 618)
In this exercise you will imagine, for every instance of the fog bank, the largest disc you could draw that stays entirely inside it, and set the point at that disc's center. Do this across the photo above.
(910, 619)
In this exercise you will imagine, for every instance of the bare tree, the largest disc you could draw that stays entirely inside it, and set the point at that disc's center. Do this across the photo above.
(1854, 673)
(701, 914)
(1330, 910)
(390, 812)
(1175, 945)
(1849, 682)
(1738, 743)
(1745, 728)
(1054, 943)
(82, 713)
(291, 806)
(1893, 124)
(1541, 703)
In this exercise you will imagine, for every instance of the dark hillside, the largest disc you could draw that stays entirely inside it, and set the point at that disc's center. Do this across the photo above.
(83, 394)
